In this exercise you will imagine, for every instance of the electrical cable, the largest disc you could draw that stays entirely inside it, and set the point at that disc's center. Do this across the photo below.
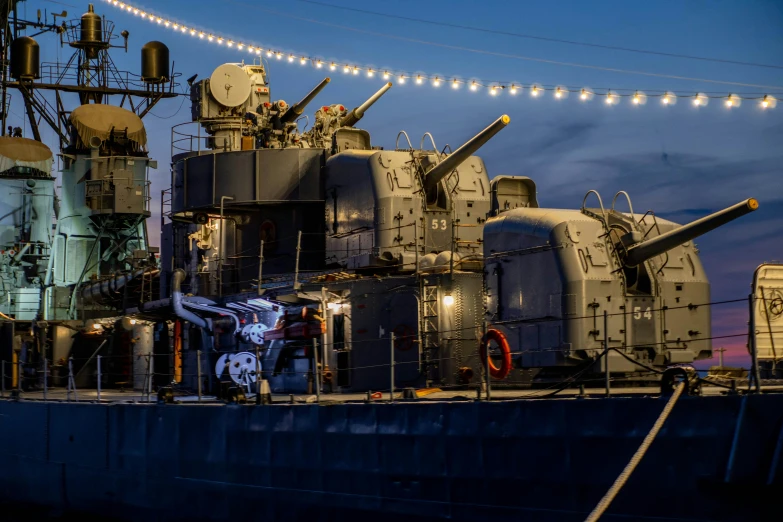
(541, 38)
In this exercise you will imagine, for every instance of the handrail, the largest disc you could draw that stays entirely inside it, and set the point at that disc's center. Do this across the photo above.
(397, 141)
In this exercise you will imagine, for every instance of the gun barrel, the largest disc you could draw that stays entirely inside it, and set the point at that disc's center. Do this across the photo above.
(442, 169)
(355, 115)
(297, 109)
(658, 245)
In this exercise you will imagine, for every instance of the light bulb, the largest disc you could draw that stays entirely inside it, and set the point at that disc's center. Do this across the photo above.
(636, 99)
(493, 91)
(385, 75)
(764, 102)
(696, 101)
(448, 299)
(513, 89)
(332, 66)
(167, 23)
(355, 70)
(534, 91)
(318, 64)
(175, 26)
(346, 69)
(279, 56)
(473, 86)
(455, 84)
(558, 93)
(258, 51)
(370, 73)
(220, 40)
(608, 99)
(729, 102)
(210, 38)
(401, 79)
(583, 96)
(192, 32)
(269, 54)
(240, 46)
(665, 100)
(230, 43)
(302, 60)
(290, 58)
(418, 80)
(436, 82)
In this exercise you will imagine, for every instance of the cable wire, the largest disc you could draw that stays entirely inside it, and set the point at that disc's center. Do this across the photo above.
(541, 38)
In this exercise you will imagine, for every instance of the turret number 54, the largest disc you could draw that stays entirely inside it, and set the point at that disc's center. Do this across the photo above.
(638, 314)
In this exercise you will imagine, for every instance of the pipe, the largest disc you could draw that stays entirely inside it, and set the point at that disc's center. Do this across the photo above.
(112, 285)
(656, 246)
(176, 301)
(455, 159)
(358, 113)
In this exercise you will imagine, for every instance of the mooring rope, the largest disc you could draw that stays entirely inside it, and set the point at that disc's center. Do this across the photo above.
(637, 457)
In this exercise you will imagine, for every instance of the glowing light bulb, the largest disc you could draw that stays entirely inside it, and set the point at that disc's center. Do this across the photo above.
(220, 40)
(418, 80)
(729, 101)
(473, 86)
(436, 82)
(455, 84)
(160, 20)
(183, 29)
(608, 99)
(279, 56)
(636, 99)
(240, 46)
(332, 66)
(201, 35)
(401, 79)
(385, 75)
(448, 300)
(492, 92)
(558, 93)
(346, 69)
(167, 23)
(665, 100)
(175, 26)
(230, 43)
(210, 38)
(302, 60)
(290, 58)
(765, 102)
(193, 32)
(135, 11)
(696, 101)
(269, 54)
(513, 89)
(534, 91)
(133, 321)
(318, 64)
(258, 51)
(355, 71)
(370, 73)
(583, 96)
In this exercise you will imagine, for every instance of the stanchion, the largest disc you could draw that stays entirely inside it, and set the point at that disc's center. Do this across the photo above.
(391, 370)
(71, 381)
(198, 373)
(317, 369)
(150, 372)
(98, 359)
(487, 374)
(606, 352)
(2, 390)
(44, 379)
(258, 356)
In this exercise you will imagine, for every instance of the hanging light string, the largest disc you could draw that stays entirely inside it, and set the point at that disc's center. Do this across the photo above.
(609, 96)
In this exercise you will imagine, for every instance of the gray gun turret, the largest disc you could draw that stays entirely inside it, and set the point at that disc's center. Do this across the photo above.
(297, 109)
(442, 169)
(638, 252)
(358, 113)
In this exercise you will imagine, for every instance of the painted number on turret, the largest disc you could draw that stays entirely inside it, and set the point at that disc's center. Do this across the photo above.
(638, 314)
(439, 225)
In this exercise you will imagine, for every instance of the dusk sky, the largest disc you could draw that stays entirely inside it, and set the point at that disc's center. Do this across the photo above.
(681, 161)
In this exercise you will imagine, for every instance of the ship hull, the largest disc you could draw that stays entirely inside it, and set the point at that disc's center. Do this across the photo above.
(715, 459)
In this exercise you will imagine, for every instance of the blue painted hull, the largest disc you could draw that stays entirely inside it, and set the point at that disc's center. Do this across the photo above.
(513, 460)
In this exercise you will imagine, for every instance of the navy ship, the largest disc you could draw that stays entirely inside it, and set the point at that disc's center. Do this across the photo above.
(332, 330)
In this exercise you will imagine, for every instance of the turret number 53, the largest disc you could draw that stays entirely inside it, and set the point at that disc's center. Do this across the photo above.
(435, 224)
(638, 314)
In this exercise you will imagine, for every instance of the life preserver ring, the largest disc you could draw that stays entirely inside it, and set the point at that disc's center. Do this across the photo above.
(505, 366)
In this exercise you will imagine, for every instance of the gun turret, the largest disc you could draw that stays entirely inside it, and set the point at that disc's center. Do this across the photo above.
(645, 250)
(355, 115)
(297, 109)
(442, 169)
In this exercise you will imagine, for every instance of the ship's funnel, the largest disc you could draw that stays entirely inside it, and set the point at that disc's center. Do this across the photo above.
(442, 169)
(656, 246)
(297, 109)
(358, 113)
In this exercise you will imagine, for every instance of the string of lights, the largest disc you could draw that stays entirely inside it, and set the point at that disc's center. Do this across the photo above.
(585, 94)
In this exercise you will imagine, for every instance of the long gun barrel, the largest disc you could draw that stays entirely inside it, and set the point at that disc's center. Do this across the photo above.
(648, 249)
(297, 109)
(355, 115)
(442, 169)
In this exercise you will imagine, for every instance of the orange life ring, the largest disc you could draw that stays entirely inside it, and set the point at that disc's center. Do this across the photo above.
(505, 366)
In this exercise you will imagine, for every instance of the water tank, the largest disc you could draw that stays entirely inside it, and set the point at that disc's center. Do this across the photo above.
(91, 27)
(155, 62)
(24, 58)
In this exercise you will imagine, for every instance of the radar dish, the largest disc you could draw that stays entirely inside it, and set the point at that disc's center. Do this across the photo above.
(230, 85)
